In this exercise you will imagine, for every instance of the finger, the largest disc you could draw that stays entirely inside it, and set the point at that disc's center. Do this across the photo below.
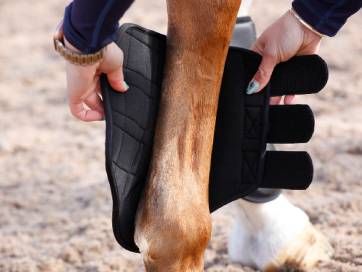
(275, 100)
(116, 80)
(288, 99)
(263, 74)
(98, 88)
(79, 111)
(94, 102)
(258, 46)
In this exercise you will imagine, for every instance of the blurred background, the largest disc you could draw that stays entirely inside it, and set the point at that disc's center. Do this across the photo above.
(55, 201)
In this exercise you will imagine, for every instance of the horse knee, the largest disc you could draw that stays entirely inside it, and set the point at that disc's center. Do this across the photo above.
(174, 243)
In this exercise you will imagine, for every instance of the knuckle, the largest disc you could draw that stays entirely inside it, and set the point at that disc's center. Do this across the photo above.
(77, 114)
(83, 115)
(257, 47)
(264, 73)
(270, 56)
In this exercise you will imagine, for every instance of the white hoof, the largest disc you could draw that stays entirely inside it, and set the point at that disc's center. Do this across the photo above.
(276, 235)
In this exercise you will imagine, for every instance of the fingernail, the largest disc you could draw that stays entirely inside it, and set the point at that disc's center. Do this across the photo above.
(125, 85)
(253, 87)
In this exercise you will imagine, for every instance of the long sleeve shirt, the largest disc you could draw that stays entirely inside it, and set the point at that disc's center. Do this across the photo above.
(90, 25)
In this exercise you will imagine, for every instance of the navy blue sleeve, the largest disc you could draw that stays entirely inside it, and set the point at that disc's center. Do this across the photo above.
(326, 16)
(90, 24)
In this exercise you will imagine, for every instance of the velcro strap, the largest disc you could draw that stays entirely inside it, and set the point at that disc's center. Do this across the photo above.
(299, 75)
(287, 169)
(290, 124)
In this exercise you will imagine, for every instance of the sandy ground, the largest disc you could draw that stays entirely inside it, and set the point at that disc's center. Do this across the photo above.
(55, 203)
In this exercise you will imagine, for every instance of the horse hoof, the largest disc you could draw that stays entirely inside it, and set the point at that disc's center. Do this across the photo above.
(276, 236)
(301, 254)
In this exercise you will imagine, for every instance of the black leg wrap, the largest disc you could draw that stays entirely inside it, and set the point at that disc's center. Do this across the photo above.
(245, 124)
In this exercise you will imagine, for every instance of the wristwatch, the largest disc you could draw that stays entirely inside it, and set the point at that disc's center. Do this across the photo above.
(72, 56)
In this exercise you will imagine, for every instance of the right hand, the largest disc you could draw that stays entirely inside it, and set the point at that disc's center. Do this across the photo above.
(284, 39)
(83, 84)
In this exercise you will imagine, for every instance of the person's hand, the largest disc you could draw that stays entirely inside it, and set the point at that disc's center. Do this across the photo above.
(285, 38)
(83, 84)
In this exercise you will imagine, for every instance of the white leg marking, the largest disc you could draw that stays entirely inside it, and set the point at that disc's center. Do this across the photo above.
(264, 233)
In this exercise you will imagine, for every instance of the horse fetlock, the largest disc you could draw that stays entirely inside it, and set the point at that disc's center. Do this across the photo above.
(174, 243)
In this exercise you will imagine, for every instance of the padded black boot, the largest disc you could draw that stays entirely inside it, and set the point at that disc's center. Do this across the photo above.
(244, 126)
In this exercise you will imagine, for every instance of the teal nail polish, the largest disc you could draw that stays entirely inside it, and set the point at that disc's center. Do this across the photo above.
(125, 85)
(253, 87)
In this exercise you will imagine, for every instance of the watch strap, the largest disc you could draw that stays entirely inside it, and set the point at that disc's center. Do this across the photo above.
(76, 58)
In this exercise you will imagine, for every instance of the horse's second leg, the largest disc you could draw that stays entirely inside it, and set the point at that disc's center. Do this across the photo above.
(173, 222)
(275, 235)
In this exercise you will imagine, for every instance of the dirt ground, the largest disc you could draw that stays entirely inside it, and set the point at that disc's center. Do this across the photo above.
(55, 202)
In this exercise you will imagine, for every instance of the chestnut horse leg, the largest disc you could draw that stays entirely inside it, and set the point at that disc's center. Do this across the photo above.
(173, 223)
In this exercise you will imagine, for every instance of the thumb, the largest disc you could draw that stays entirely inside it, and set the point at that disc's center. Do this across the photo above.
(262, 76)
(116, 80)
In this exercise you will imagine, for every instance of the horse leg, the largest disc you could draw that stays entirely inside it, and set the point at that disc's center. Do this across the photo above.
(173, 222)
(276, 235)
